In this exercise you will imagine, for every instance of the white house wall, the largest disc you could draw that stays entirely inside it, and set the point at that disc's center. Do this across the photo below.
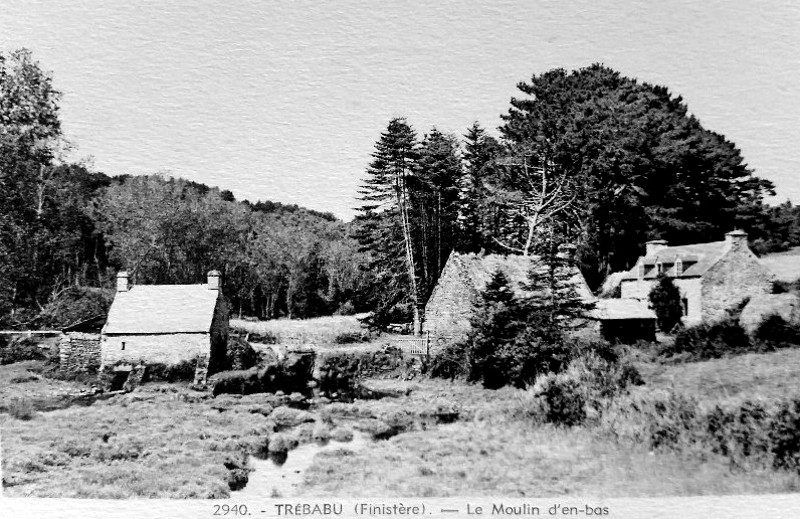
(167, 349)
(690, 289)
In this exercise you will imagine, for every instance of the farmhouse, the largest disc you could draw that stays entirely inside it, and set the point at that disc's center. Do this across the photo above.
(712, 277)
(457, 294)
(167, 324)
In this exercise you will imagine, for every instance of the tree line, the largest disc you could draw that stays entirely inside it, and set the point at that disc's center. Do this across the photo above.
(65, 230)
(589, 156)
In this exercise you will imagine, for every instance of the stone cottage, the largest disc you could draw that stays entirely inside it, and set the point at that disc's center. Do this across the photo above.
(167, 324)
(712, 277)
(455, 298)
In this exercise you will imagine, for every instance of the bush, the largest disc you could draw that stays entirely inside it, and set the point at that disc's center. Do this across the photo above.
(585, 389)
(451, 362)
(290, 375)
(710, 341)
(73, 305)
(784, 436)
(352, 337)
(562, 400)
(774, 332)
(265, 337)
(346, 308)
(665, 298)
(239, 355)
(181, 371)
(741, 434)
(20, 408)
(20, 349)
(339, 372)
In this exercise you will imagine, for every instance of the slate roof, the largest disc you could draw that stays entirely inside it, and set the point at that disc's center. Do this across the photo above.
(478, 271)
(154, 309)
(697, 259)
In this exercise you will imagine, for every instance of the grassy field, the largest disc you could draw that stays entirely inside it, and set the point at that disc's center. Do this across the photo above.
(765, 376)
(320, 332)
(170, 441)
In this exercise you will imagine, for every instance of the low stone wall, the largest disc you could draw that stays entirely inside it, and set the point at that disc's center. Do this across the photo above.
(79, 353)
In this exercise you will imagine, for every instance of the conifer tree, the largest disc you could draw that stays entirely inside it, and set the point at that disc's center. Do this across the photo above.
(387, 206)
(436, 196)
(476, 215)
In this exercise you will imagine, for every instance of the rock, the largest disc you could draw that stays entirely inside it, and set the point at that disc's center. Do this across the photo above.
(288, 417)
(342, 434)
(282, 442)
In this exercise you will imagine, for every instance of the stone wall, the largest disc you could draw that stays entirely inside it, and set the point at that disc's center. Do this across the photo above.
(79, 352)
(168, 349)
(449, 308)
(736, 276)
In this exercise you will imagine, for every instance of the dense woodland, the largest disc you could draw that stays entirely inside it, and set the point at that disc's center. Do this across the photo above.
(590, 157)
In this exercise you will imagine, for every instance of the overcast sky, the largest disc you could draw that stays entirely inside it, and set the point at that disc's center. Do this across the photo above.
(284, 100)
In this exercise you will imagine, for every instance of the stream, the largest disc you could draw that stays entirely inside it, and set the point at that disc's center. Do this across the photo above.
(279, 476)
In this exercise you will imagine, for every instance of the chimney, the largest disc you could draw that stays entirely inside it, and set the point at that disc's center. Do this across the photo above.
(122, 281)
(653, 246)
(736, 240)
(213, 280)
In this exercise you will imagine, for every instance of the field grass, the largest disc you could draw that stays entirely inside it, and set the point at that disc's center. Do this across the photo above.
(785, 265)
(519, 459)
(170, 441)
(319, 332)
(765, 376)
(160, 442)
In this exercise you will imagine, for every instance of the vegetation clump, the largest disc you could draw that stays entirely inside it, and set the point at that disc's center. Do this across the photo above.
(775, 332)
(19, 349)
(710, 341)
(665, 299)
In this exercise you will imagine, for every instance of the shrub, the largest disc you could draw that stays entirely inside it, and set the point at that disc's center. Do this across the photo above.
(20, 408)
(710, 341)
(352, 337)
(784, 436)
(585, 389)
(182, 371)
(20, 349)
(562, 400)
(73, 305)
(451, 362)
(339, 372)
(239, 354)
(665, 298)
(774, 332)
(264, 337)
(741, 434)
(346, 308)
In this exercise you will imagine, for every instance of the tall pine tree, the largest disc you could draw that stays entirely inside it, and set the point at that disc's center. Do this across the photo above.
(386, 223)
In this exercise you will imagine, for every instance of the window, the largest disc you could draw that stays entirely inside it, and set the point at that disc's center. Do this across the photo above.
(678, 267)
(685, 305)
(641, 271)
(123, 345)
(659, 267)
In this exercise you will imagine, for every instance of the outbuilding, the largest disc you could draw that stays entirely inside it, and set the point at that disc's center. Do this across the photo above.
(167, 324)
